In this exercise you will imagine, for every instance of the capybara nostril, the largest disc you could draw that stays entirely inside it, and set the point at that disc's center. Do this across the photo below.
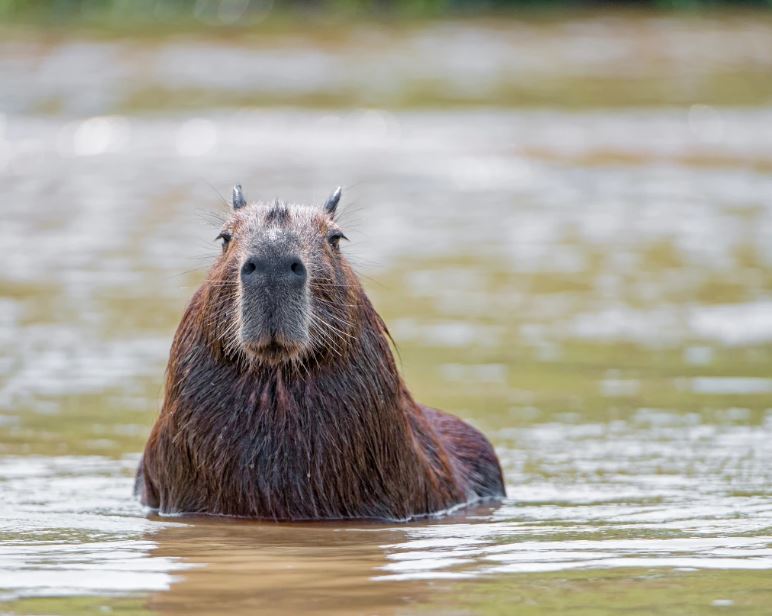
(274, 271)
(298, 269)
(248, 268)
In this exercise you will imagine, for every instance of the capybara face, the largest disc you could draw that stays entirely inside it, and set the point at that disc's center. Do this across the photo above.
(284, 283)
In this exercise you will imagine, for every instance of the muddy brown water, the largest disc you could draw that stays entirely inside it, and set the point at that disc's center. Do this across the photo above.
(592, 288)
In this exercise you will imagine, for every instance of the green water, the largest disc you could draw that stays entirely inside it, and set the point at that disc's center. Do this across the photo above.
(591, 287)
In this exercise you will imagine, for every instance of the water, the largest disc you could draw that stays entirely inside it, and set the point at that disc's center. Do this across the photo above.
(592, 288)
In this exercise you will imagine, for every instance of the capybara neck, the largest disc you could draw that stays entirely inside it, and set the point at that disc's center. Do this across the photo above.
(295, 410)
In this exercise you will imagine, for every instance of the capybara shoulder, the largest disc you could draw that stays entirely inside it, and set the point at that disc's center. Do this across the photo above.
(282, 398)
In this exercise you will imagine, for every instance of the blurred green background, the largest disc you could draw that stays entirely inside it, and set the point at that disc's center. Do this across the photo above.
(235, 12)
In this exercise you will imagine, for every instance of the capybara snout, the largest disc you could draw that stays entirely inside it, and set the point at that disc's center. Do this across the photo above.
(274, 301)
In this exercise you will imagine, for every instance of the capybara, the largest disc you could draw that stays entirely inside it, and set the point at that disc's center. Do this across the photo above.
(282, 397)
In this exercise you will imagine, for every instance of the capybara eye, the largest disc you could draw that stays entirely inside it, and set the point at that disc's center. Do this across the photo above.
(335, 237)
(226, 238)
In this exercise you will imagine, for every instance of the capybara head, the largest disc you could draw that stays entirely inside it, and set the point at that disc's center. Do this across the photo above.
(281, 291)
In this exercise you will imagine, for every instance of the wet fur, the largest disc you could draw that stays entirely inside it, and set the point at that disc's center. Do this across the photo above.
(332, 433)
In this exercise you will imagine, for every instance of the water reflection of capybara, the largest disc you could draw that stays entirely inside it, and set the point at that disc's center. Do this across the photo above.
(283, 399)
(248, 567)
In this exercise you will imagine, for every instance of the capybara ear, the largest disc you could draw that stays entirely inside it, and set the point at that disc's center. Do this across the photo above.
(332, 202)
(237, 197)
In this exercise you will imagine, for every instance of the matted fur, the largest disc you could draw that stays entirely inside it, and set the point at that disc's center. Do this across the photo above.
(330, 432)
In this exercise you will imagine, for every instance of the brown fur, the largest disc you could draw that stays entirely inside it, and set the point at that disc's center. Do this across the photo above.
(330, 433)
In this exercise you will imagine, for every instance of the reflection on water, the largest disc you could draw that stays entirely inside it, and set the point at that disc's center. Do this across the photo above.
(593, 290)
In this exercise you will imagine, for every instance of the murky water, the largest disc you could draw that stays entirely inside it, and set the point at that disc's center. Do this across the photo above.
(593, 289)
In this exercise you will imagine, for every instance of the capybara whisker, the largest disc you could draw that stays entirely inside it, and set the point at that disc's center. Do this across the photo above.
(330, 326)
